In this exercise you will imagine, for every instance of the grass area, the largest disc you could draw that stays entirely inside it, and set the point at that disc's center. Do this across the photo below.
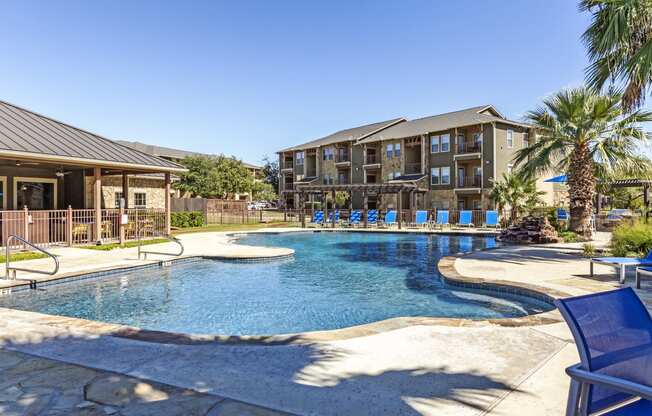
(127, 244)
(232, 227)
(23, 255)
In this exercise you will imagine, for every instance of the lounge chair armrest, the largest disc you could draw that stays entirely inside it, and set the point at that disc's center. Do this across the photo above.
(614, 383)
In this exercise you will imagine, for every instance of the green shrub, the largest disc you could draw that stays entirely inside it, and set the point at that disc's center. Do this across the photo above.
(632, 240)
(588, 250)
(187, 219)
(570, 237)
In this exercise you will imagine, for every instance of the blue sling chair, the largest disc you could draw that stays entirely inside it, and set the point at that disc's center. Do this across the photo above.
(613, 334)
(318, 218)
(466, 219)
(337, 217)
(442, 218)
(372, 217)
(355, 218)
(390, 218)
(421, 218)
(491, 219)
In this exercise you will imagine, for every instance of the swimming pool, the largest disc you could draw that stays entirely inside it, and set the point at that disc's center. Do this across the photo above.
(334, 280)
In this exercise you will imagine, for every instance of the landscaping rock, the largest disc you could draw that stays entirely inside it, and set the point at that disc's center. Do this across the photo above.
(530, 230)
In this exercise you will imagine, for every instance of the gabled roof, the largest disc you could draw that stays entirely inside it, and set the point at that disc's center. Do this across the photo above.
(440, 122)
(162, 151)
(25, 134)
(353, 134)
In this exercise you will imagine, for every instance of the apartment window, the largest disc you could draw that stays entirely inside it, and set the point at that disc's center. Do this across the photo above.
(445, 143)
(299, 158)
(434, 144)
(477, 138)
(445, 177)
(397, 150)
(434, 176)
(526, 139)
(328, 153)
(440, 175)
(477, 204)
(510, 138)
(140, 200)
(117, 197)
(390, 151)
(328, 180)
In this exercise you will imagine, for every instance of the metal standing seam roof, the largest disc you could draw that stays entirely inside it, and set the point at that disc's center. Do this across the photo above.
(161, 151)
(352, 134)
(24, 133)
(440, 122)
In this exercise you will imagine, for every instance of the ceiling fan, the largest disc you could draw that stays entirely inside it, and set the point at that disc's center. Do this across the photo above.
(61, 173)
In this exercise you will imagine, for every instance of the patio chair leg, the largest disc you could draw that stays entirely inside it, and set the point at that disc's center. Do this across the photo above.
(591, 269)
(622, 274)
(572, 406)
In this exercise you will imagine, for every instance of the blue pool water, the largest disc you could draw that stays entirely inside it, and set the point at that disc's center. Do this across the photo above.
(335, 280)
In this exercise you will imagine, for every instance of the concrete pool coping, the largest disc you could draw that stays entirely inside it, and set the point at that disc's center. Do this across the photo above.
(446, 268)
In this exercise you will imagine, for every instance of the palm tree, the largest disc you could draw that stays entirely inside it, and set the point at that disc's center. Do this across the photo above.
(586, 135)
(619, 44)
(516, 191)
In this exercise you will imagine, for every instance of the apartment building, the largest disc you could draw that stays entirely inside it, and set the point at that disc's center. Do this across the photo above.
(453, 158)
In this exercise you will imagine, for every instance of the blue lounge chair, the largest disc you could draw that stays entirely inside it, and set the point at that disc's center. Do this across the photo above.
(491, 219)
(466, 218)
(621, 263)
(642, 271)
(421, 218)
(562, 214)
(442, 218)
(318, 217)
(372, 217)
(612, 331)
(337, 217)
(355, 218)
(390, 218)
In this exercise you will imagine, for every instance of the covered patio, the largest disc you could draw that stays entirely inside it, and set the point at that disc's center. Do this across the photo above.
(51, 182)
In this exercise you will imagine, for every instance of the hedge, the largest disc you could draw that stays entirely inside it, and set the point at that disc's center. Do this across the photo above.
(187, 219)
(632, 240)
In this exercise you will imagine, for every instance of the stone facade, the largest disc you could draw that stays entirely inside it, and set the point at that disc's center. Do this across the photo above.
(153, 188)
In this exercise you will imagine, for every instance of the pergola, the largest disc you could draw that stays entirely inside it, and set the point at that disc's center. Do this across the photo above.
(396, 187)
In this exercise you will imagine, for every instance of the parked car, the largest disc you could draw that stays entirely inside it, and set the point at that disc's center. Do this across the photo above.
(619, 214)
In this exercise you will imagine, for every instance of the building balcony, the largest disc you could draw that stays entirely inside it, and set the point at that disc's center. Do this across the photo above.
(466, 182)
(342, 160)
(469, 147)
(412, 168)
(372, 161)
(287, 165)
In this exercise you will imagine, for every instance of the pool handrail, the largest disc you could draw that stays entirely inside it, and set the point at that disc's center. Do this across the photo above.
(167, 237)
(9, 270)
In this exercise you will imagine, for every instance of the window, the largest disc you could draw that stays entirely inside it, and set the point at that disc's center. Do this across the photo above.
(328, 180)
(445, 177)
(390, 149)
(434, 176)
(397, 150)
(118, 196)
(35, 193)
(510, 138)
(445, 142)
(328, 153)
(299, 157)
(434, 144)
(477, 139)
(477, 204)
(526, 139)
(140, 200)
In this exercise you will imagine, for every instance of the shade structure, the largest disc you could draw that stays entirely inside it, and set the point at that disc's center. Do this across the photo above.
(558, 179)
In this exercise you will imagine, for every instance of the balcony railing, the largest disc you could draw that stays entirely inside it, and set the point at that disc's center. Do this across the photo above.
(288, 164)
(342, 157)
(412, 168)
(469, 147)
(288, 186)
(372, 159)
(474, 181)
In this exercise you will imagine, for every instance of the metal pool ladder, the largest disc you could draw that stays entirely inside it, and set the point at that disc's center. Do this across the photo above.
(10, 272)
(168, 237)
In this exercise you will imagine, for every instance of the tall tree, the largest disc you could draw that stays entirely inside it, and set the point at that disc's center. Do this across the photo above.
(619, 44)
(586, 135)
(214, 177)
(271, 172)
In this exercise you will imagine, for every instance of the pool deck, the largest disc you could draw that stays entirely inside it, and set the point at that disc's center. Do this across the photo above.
(428, 369)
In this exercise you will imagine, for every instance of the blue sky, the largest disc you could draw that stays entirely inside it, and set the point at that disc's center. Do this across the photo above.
(250, 77)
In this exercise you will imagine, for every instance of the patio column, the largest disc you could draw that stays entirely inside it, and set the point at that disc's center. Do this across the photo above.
(125, 189)
(168, 203)
(97, 203)
(399, 197)
(334, 209)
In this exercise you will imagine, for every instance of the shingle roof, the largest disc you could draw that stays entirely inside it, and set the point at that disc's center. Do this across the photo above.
(440, 122)
(169, 152)
(353, 134)
(24, 133)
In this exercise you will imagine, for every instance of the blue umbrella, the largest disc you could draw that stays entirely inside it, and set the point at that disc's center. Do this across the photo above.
(558, 179)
